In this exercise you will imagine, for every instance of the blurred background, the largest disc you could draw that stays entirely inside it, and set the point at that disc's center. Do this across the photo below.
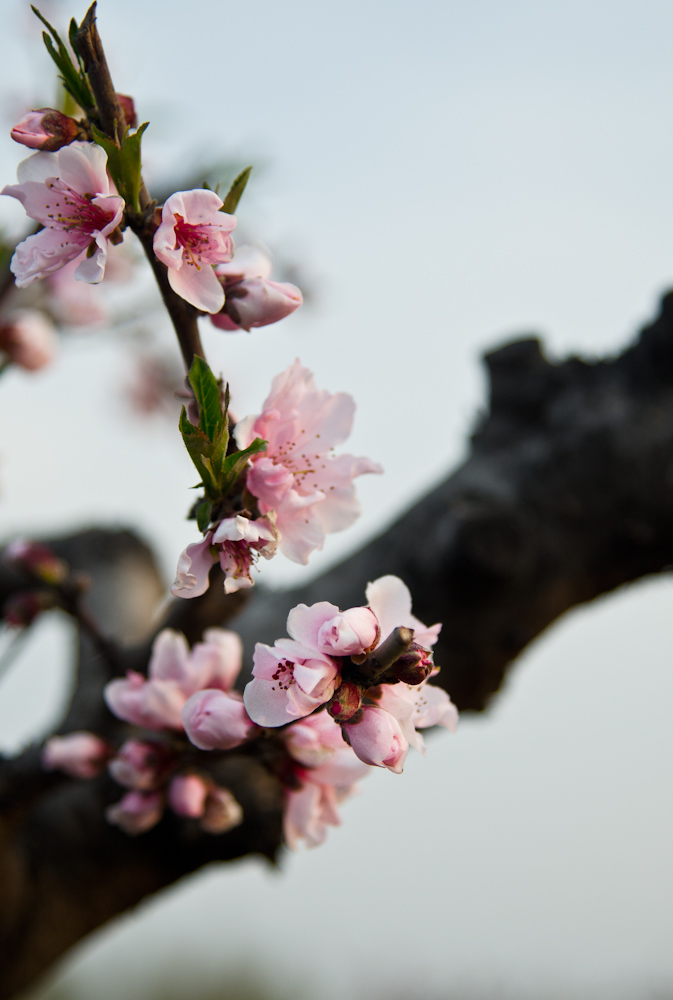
(439, 177)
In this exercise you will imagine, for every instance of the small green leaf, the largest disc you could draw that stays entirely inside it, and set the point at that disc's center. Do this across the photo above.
(203, 515)
(131, 165)
(124, 162)
(235, 192)
(74, 78)
(210, 483)
(113, 153)
(207, 391)
(195, 441)
(235, 463)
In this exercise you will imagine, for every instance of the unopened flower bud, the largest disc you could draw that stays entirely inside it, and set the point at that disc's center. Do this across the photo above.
(28, 339)
(80, 754)
(136, 812)
(222, 813)
(129, 109)
(377, 739)
(36, 559)
(140, 764)
(45, 129)
(20, 610)
(345, 701)
(187, 794)
(414, 666)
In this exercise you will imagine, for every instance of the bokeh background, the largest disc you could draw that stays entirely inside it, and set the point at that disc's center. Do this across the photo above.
(444, 174)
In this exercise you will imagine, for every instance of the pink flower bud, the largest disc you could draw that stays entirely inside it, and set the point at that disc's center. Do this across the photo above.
(414, 666)
(187, 795)
(345, 701)
(257, 302)
(222, 813)
(81, 754)
(28, 339)
(139, 765)
(21, 610)
(45, 129)
(377, 739)
(215, 720)
(137, 812)
(129, 109)
(36, 559)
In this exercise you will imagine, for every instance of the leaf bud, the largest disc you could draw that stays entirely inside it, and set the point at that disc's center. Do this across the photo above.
(414, 666)
(129, 109)
(45, 129)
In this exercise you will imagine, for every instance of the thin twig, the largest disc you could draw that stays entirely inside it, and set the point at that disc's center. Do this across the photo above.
(111, 120)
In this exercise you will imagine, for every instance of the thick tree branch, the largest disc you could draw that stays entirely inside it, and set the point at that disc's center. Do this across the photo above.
(566, 495)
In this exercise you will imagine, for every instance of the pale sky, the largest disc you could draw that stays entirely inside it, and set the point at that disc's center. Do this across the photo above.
(450, 174)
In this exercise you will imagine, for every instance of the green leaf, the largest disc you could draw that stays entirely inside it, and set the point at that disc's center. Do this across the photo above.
(235, 463)
(235, 192)
(203, 515)
(113, 153)
(131, 164)
(207, 391)
(124, 162)
(74, 78)
(195, 441)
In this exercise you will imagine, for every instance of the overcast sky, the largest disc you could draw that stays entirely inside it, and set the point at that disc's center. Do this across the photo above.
(448, 174)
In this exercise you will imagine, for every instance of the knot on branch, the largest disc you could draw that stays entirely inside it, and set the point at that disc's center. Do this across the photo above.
(520, 379)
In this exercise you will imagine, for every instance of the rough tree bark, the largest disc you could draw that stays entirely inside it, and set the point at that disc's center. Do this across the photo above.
(567, 494)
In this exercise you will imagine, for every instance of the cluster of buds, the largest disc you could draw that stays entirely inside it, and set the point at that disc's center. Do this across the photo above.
(368, 666)
(44, 572)
(172, 705)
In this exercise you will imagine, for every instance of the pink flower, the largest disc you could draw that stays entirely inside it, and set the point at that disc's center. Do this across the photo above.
(390, 600)
(137, 812)
(317, 743)
(308, 813)
(174, 674)
(194, 566)
(338, 633)
(69, 193)
(139, 765)
(28, 339)
(289, 682)
(310, 490)
(216, 720)
(417, 707)
(187, 794)
(222, 811)
(240, 542)
(80, 754)
(45, 129)
(328, 774)
(237, 542)
(192, 237)
(251, 299)
(378, 739)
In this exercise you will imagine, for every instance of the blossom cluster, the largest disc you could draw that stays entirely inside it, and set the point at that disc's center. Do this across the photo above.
(310, 692)
(67, 189)
(302, 490)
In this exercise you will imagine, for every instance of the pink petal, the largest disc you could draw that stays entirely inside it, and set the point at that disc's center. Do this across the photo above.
(198, 286)
(194, 566)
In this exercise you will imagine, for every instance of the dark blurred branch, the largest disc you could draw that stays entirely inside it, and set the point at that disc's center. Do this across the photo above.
(567, 494)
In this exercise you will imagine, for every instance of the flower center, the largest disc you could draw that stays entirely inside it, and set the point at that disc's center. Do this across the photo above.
(76, 212)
